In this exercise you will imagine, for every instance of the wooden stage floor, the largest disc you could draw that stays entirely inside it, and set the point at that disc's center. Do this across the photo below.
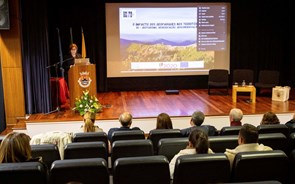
(144, 104)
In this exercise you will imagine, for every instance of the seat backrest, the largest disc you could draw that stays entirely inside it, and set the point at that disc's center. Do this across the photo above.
(202, 168)
(131, 148)
(48, 152)
(260, 166)
(127, 135)
(157, 134)
(25, 172)
(218, 144)
(218, 75)
(96, 149)
(269, 77)
(91, 136)
(291, 127)
(171, 146)
(143, 170)
(230, 130)
(243, 74)
(277, 141)
(87, 170)
(291, 167)
(275, 128)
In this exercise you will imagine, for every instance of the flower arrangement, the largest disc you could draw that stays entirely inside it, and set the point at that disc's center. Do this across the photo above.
(87, 103)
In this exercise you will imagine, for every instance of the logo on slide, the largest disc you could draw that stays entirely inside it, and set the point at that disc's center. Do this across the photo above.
(84, 79)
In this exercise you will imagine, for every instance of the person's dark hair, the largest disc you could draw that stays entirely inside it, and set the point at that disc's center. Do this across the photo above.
(199, 140)
(198, 118)
(269, 118)
(249, 133)
(125, 119)
(164, 121)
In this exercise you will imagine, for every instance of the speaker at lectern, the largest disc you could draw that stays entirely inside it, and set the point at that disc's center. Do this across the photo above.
(81, 77)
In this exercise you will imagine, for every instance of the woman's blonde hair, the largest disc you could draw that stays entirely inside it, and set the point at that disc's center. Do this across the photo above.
(15, 147)
(89, 115)
(89, 126)
(89, 119)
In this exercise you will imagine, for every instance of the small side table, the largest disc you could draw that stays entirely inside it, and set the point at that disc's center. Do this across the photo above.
(249, 88)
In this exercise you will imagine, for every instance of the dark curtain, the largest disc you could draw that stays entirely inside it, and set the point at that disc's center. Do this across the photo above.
(35, 56)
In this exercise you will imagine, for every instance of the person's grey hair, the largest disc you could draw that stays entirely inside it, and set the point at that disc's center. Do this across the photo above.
(125, 119)
(236, 114)
(198, 118)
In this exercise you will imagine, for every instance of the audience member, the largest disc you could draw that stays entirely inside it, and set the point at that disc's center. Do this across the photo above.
(269, 118)
(89, 120)
(196, 122)
(164, 121)
(126, 120)
(248, 141)
(15, 147)
(235, 117)
(290, 123)
(198, 143)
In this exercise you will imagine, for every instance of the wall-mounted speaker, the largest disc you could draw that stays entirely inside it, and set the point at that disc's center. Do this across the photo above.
(4, 15)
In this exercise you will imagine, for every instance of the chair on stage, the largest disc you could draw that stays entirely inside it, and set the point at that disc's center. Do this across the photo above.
(218, 78)
(267, 79)
(240, 75)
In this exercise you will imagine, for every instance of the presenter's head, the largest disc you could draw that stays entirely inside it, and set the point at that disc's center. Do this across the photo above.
(73, 50)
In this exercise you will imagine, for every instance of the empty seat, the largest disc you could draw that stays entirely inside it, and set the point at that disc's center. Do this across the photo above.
(25, 172)
(86, 150)
(218, 78)
(131, 148)
(240, 75)
(157, 134)
(277, 141)
(143, 170)
(171, 146)
(230, 130)
(267, 79)
(260, 166)
(218, 144)
(91, 136)
(127, 135)
(88, 170)
(275, 128)
(202, 168)
(48, 152)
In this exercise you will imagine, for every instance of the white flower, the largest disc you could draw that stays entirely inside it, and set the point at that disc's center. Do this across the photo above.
(91, 101)
(81, 105)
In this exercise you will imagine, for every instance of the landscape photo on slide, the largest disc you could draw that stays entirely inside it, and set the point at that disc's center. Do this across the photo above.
(161, 35)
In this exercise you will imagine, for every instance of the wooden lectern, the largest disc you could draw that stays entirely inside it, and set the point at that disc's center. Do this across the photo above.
(81, 78)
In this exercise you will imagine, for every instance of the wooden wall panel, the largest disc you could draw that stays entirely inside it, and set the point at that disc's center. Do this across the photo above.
(10, 53)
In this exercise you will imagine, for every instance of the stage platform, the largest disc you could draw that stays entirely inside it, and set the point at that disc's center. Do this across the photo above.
(146, 105)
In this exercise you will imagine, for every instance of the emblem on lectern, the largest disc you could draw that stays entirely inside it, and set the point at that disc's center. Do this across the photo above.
(84, 80)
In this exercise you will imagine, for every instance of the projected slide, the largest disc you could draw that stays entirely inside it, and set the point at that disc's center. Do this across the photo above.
(159, 40)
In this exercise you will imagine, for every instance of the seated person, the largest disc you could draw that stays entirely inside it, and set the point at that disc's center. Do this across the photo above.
(291, 122)
(126, 120)
(235, 117)
(15, 147)
(196, 121)
(89, 120)
(198, 143)
(164, 121)
(248, 141)
(269, 118)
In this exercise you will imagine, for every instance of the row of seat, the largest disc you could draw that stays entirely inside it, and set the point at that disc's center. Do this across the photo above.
(167, 147)
(200, 168)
